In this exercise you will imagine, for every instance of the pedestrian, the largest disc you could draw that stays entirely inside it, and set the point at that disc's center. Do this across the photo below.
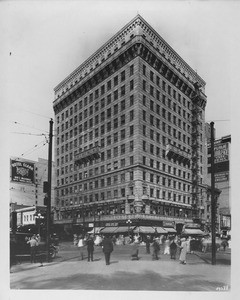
(33, 248)
(135, 251)
(166, 248)
(173, 249)
(156, 249)
(81, 245)
(147, 241)
(90, 248)
(107, 246)
(183, 253)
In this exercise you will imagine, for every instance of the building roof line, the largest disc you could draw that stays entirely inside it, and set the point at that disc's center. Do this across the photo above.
(120, 35)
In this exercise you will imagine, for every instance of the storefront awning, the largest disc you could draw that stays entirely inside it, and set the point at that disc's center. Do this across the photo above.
(161, 230)
(144, 229)
(96, 230)
(108, 230)
(123, 229)
(191, 231)
(170, 230)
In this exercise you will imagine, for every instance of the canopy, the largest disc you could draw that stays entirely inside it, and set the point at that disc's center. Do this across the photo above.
(191, 231)
(123, 229)
(161, 230)
(144, 229)
(170, 229)
(96, 230)
(108, 230)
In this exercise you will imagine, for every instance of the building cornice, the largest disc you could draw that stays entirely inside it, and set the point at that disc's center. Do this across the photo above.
(137, 27)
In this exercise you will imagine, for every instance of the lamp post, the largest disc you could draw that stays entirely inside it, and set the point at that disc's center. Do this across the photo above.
(39, 217)
(129, 222)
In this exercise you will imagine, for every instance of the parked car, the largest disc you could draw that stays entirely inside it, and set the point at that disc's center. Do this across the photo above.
(207, 244)
(19, 248)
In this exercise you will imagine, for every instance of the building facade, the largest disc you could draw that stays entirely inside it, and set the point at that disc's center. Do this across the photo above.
(26, 182)
(222, 156)
(130, 136)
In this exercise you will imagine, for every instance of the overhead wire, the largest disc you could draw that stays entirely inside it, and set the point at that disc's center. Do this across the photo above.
(15, 122)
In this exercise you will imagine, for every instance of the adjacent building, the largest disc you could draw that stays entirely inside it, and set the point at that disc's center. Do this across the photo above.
(26, 182)
(130, 136)
(222, 156)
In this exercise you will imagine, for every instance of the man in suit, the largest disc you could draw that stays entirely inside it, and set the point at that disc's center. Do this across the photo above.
(90, 248)
(107, 246)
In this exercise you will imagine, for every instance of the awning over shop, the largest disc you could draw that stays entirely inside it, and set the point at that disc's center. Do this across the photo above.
(144, 229)
(108, 230)
(161, 230)
(191, 231)
(123, 229)
(170, 229)
(96, 230)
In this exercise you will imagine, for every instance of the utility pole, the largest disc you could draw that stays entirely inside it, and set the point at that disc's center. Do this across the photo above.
(213, 200)
(49, 188)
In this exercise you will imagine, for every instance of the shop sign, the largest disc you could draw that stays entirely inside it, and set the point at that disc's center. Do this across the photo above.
(221, 153)
(168, 224)
(111, 224)
(22, 171)
(221, 177)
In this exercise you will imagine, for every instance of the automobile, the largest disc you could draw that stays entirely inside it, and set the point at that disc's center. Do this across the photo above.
(19, 248)
(207, 244)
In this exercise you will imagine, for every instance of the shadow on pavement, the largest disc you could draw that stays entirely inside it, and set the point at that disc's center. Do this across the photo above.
(150, 281)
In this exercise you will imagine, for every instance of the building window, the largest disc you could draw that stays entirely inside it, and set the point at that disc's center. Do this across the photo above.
(122, 75)
(144, 85)
(131, 70)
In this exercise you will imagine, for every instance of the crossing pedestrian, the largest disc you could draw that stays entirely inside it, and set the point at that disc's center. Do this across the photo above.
(156, 249)
(183, 253)
(107, 246)
(173, 249)
(81, 246)
(90, 248)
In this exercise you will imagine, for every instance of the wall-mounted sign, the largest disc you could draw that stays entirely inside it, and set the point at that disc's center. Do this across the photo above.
(221, 153)
(22, 171)
(221, 177)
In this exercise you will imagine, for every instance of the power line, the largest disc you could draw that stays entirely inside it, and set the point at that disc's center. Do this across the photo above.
(29, 133)
(17, 123)
(219, 121)
(36, 114)
(34, 148)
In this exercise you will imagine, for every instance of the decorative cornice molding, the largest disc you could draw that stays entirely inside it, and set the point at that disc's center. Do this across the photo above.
(137, 27)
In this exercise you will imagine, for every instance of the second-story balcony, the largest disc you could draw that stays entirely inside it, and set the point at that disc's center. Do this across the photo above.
(178, 154)
(87, 155)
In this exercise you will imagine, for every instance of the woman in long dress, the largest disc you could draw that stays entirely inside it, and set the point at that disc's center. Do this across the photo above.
(183, 253)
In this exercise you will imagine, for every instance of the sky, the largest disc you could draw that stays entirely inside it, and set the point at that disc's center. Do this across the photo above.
(42, 42)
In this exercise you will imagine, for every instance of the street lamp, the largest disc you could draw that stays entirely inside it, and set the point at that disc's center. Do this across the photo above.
(129, 222)
(39, 217)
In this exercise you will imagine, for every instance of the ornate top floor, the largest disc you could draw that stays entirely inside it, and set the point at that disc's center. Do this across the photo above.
(137, 27)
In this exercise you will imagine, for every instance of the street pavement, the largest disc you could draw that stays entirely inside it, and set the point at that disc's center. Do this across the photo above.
(68, 272)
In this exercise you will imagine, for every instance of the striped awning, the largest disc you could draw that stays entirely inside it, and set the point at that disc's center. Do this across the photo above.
(161, 230)
(144, 229)
(108, 230)
(123, 229)
(95, 230)
(170, 229)
(192, 231)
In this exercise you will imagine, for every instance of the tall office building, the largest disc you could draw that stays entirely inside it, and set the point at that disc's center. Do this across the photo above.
(130, 135)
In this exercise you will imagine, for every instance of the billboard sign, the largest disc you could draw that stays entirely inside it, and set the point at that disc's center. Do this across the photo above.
(22, 171)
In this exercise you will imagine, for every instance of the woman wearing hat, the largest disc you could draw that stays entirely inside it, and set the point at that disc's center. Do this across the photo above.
(183, 253)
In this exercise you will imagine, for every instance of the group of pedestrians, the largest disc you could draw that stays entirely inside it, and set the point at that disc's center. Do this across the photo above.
(170, 247)
(88, 243)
